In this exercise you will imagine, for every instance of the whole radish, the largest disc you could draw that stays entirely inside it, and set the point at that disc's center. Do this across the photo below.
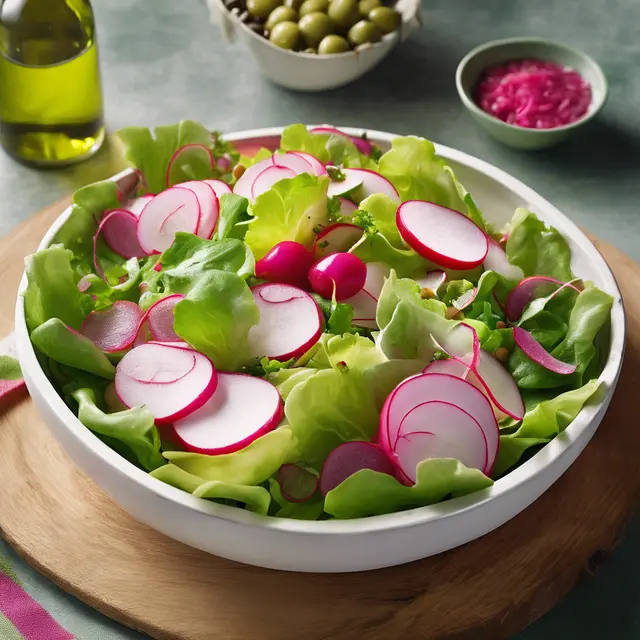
(288, 263)
(344, 271)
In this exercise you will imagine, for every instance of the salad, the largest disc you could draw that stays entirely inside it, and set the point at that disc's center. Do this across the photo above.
(316, 331)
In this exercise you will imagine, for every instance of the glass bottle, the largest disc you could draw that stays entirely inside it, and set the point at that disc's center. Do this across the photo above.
(50, 93)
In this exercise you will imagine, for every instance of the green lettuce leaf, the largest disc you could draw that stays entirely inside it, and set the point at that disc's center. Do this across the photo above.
(233, 209)
(262, 154)
(286, 379)
(295, 137)
(256, 499)
(382, 211)
(376, 248)
(369, 493)
(177, 477)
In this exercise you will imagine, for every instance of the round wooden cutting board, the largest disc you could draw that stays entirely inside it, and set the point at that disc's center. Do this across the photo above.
(64, 526)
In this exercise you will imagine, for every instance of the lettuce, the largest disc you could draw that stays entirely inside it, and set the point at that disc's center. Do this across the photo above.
(233, 208)
(376, 248)
(256, 499)
(383, 214)
(286, 380)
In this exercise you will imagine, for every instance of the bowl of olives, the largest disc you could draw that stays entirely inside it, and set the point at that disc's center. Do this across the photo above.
(314, 45)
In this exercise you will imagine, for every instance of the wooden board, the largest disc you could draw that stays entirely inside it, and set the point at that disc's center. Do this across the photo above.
(65, 527)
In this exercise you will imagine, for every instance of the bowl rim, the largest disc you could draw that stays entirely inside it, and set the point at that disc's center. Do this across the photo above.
(463, 92)
(526, 473)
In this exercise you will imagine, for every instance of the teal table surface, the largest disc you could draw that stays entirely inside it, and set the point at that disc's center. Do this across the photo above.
(163, 61)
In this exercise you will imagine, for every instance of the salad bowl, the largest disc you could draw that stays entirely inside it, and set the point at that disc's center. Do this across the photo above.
(361, 543)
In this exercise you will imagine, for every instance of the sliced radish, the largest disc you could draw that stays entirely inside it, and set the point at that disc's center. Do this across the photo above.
(500, 385)
(496, 260)
(119, 229)
(441, 388)
(175, 344)
(349, 458)
(372, 182)
(290, 322)
(160, 318)
(219, 187)
(167, 401)
(242, 409)
(252, 146)
(293, 161)
(269, 177)
(297, 484)
(530, 288)
(316, 165)
(137, 205)
(342, 272)
(465, 299)
(433, 280)
(113, 329)
(186, 156)
(209, 206)
(153, 364)
(173, 210)
(461, 343)
(439, 430)
(450, 367)
(288, 262)
(347, 207)
(337, 238)
(365, 302)
(534, 350)
(442, 235)
(361, 144)
(143, 335)
(340, 187)
(246, 180)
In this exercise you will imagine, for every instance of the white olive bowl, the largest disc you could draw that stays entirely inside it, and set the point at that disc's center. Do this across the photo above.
(312, 72)
(344, 545)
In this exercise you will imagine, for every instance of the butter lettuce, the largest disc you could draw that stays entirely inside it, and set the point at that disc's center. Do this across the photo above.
(383, 214)
(256, 499)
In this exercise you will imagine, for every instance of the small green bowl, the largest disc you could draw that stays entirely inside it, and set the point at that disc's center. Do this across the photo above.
(477, 61)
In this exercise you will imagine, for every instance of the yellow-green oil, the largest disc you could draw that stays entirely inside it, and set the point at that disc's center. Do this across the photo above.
(50, 93)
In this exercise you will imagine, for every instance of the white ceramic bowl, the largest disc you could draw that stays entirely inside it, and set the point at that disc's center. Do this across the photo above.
(348, 545)
(312, 72)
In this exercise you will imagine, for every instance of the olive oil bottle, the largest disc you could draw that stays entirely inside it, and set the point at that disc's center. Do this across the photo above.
(50, 93)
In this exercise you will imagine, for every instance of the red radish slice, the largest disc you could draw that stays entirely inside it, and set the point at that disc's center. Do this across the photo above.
(530, 288)
(290, 322)
(440, 430)
(173, 210)
(347, 208)
(437, 387)
(176, 345)
(450, 367)
(144, 335)
(242, 409)
(209, 206)
(462, 344)
(339, 188)
(365, 302)
(113, 329)
(316, 165)
(372, 182)
(150, 363)
(269, 177)
(188, 154)
(219, 187)
(111, 399)
(433, 280)
(137, 205)
(246, 180)
(168, 401)
(119, 228)
(293, 161)
(465, 299)
(160, 318)
(497, 261)
(343, 272)
(534, 350)
(251, 147)
(361, 144)
(297, 484)
(288, 262)
(337, 238)
(349, 458)
(500, 385)
(442, 235)
(84, 284)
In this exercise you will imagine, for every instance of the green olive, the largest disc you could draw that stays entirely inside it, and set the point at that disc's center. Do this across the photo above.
(280, 14)
(311, 50)
(314, 27)
(285, 35)
(365, 6)
(344, 13)
(311, 6)
(261, 8)
(333, 44)
(385, 18)
(294, 4)
(363, 32)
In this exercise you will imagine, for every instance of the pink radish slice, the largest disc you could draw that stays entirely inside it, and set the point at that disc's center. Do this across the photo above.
(168, 401)
(462, 344)
(499, 385)
(441, 388)
(297, 484)
(534, 350)
(293, 161)
(143, 335)
(316, 165)
(84, 284)
(242, 409)
(439, 430)
(360, 143)
(219, 187)
(365, 302)
(349, 458)
(343, 272)
(433, 280)
(173, 210)
(160, 318)
(372, 182)
(150, 363)
(530, 288)
(137, 205)
(209, 206)
(497, 261)
(290, 322)
(339, 188)
(450, 367)
(252, 146)
(465, 299)
(442, 235)
(347, 208)
(337, 238)
(269, 177)
(246, 180)
(115, 328)
(288, 262)
(119, 228)
(176, 345)
(191, 152)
